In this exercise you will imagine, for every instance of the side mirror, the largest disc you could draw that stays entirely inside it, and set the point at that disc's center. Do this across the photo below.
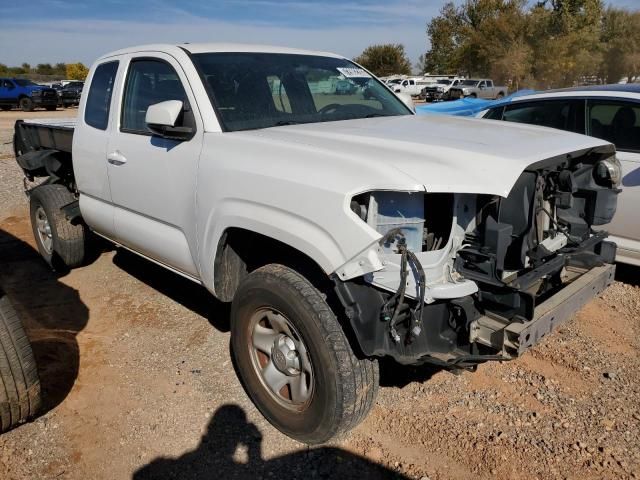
(161, 119)
(407, 100)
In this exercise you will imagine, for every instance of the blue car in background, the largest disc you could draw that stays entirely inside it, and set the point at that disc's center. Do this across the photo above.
(466, 107)
(26, 94)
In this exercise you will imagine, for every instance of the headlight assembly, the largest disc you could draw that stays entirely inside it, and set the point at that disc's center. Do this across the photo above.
(608, 172)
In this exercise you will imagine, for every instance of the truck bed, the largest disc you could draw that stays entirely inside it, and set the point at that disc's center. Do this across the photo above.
(44, 134)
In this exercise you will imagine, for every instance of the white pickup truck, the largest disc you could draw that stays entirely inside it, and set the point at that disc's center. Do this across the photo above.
(343, 229)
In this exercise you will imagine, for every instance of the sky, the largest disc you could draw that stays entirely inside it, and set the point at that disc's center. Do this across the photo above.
(50, 31)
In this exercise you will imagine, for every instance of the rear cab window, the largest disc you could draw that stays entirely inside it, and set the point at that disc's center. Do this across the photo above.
(615, 121)
(96, 113)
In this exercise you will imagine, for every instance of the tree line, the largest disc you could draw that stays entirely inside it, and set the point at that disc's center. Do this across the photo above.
(541, 44)
(60, 71)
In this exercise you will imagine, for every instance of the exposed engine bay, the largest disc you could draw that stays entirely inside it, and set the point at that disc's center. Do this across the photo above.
(460, 269)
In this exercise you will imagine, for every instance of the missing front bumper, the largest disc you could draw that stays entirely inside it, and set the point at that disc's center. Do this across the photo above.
(512, 338)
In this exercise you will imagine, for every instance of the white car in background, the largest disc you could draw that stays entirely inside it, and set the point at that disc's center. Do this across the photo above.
(609, 112)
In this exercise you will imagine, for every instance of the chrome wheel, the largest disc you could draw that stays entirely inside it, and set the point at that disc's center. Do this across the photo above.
(280, 358)
(44, 230)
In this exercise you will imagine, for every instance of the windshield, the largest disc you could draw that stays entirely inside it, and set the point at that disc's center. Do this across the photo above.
(469, 83)
(261, 90)
(444, 82)
(24, 83)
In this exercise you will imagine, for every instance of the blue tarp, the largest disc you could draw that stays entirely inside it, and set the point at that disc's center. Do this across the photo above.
(466, 107)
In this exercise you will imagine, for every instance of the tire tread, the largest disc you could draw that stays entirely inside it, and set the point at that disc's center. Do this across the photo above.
(19, 382)
(358, 379)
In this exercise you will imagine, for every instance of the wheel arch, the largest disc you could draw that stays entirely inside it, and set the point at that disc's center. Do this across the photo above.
(240, 251)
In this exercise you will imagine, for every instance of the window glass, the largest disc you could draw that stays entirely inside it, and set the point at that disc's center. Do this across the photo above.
(552, 113)
(261, 90)
(494, 114)
(96, 111)
(279, 94)
(25, 83)
(616, 122)
(148, 82)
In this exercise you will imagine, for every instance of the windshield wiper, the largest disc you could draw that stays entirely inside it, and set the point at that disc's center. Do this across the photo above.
(371, 115)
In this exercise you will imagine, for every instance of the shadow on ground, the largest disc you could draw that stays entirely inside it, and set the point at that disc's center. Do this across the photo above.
(181, 290)
(232, 449)
(51, 311)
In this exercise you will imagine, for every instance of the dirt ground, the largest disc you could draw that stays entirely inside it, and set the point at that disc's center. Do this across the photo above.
(138, 382)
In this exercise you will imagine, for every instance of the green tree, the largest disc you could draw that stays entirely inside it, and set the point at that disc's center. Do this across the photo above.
(385, 60)
(60, 69)
(77, 71)
(44, 69)
(621, 44)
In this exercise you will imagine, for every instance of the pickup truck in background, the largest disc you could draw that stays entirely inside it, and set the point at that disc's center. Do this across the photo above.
(478, 88)
(440, 90)
(69, 94)
(412, 86)
(342, 228)
(26, 95)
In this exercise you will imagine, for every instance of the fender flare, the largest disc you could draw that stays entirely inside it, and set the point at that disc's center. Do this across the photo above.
(297, 232)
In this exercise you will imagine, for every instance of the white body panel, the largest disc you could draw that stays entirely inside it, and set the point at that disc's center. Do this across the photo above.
(173, 201)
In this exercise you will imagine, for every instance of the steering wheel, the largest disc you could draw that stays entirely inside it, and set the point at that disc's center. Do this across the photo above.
(331, 108)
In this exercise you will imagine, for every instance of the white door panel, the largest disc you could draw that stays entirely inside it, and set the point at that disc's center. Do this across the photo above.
(93, 128)
(153, 180)
(626, 222)
(151, 238)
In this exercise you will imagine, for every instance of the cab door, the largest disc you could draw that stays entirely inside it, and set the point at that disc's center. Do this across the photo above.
(153, 179)
(618, 121)
(94, 124)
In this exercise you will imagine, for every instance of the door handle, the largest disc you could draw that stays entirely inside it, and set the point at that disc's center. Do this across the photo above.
(116, 158)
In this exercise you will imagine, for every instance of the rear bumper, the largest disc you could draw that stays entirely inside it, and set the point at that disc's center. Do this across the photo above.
(512, 339)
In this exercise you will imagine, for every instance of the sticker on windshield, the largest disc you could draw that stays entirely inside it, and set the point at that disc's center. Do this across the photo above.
(353, 72)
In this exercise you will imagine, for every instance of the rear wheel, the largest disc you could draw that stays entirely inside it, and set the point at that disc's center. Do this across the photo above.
(499, 96)
(294, 358)
(26, 104)
(19, 382)
(57, 238)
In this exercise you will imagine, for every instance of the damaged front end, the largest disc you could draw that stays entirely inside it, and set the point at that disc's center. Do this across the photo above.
(458, 279)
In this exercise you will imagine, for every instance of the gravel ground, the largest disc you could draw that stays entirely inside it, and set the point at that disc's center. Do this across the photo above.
(138, 383)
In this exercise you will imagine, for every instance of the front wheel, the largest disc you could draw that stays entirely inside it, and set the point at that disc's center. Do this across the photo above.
(58, 239)
(26, 104)
(294, 359)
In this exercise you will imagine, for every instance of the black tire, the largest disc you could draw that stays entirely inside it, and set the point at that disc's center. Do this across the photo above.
(50, 108)
(26, 104)
(499, 96)
(473, 95)
(19, 382)
(344, 386)
(66, 241)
